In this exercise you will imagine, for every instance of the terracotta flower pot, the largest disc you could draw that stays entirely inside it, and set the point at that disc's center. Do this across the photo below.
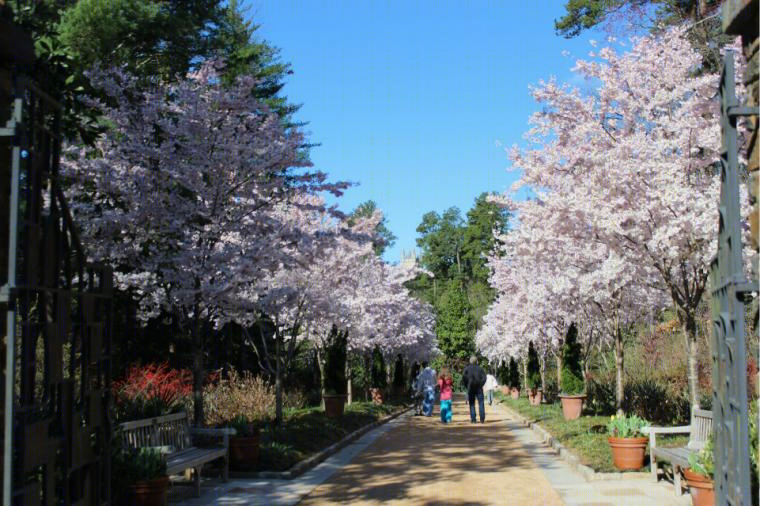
(244, 451)
(505, 389)
(334, 405)
(628, 452)
(572, 406)
(377, 395)
(535, 396)
(150, 492)
(701, 488)
(515, 393)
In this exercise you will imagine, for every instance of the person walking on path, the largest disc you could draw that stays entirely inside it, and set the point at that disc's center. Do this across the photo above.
(446, 387)
(490, 386)
(473, 379)
(426, 386)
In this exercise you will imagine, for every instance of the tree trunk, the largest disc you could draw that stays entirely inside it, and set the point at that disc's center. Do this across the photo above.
(367, 375)
(618, 369)
(321, 366)
(197, 371)
(559, 372)
(278, 380)
(542, 368)
(525, 373)
(349, 383)
(689, 328)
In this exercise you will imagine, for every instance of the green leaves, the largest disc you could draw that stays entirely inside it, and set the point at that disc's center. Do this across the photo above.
(625, 426)
(572, 372)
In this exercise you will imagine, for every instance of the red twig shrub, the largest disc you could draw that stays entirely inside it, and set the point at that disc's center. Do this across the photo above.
(152, 390)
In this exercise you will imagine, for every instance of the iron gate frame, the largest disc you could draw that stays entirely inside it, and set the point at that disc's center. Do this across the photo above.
(57, 431)
(730, 287)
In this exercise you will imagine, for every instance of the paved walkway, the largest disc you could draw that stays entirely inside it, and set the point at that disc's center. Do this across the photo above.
(419, 461)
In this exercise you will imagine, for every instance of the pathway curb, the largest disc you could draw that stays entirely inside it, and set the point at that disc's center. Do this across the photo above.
(569, 457)
(310, 462)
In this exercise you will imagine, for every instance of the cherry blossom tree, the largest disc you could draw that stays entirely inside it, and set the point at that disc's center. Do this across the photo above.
(177, 193)
(629, 170)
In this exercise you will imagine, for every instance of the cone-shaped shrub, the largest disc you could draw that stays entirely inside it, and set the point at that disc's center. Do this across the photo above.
(514, 373)
(534, 369)
(572, 372)
(377, 376)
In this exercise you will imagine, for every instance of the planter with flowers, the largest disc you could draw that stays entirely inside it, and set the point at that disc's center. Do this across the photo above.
(572, 395)
(699, 475)
(244, 445)
(139, 476)
(627, 442)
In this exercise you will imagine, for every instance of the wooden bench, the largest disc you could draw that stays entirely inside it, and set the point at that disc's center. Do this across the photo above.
(699, 430)
(172, 434)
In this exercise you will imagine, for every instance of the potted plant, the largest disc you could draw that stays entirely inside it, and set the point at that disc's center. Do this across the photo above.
(535, 394)
(503, 373)
(335, 386)
(139, 476)
(244, 445)
(699, 475)
(378, 379)
(627, 442)
(514, 378)
(572, 395)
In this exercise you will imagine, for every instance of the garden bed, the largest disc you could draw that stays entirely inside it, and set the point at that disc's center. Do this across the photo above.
(586, 437)
(306, 432)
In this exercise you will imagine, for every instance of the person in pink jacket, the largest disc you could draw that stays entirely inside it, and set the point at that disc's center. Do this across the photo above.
(446, 387)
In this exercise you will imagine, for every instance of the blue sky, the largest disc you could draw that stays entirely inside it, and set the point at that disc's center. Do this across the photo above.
(416, 100)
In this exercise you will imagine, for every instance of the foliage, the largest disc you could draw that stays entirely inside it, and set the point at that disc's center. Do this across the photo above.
(238, 395)
(378, 376)
(703, 462)
(572, 371)
(514, 373)
(625, 426)
(384, 238)
(483, 219)
(754, 443)
(151, 390)
(137, 464)
(600, 395)
(454, 324)
(335, 362)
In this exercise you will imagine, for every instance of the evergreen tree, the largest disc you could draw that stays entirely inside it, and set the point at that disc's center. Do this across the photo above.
(534, 368)
(514, 373)
(384, 237)
(572, 370)
(454, 326)
(377, 376)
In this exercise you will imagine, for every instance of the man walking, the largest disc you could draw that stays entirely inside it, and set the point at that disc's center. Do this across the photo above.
(473, 379)
(426, 382)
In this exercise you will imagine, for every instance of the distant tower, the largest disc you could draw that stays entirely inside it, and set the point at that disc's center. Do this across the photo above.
(409, 258)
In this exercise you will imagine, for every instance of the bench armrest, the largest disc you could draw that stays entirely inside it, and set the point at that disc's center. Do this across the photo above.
(223, 433)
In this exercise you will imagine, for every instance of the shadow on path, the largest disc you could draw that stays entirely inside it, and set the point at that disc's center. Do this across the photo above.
(425, 462)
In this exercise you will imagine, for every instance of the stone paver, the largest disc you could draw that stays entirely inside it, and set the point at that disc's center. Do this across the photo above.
(419, 461)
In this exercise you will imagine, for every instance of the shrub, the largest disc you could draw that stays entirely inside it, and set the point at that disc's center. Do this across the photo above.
(626, 426)
(514, 373)
(572, 372)
(600, 395)
(151, 390)
(398, 374)
(534, 368)
(238, 395)
(378, 378)
(503, 373)
(657, 402)
(335, 362)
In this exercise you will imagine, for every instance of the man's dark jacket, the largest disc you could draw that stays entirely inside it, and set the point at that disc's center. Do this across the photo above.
(473, 378)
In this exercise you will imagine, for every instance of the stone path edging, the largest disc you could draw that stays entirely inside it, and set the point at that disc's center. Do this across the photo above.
(568, 456)
(310, 462)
